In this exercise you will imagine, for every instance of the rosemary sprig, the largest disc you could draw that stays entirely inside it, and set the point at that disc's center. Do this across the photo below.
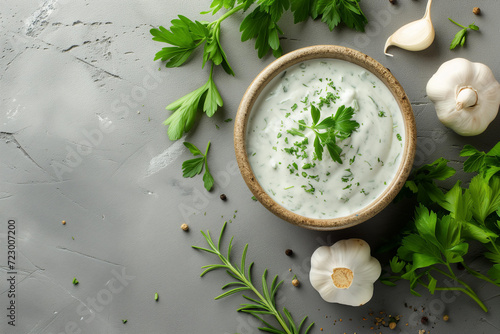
(265, 301)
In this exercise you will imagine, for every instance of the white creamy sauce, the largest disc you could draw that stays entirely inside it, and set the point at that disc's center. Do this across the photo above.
(286, 165)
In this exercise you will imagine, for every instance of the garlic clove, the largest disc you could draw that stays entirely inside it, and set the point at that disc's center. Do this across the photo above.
(414, 36)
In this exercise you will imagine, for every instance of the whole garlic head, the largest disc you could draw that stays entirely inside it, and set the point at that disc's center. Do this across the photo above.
(344, 273)
(466, 96)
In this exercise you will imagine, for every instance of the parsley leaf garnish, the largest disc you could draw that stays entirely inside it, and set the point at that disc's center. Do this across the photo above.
(461, 36)
(337, 126)
(193, 167)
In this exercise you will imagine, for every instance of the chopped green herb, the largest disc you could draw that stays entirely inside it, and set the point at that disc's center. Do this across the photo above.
(309, 190)
(124, 321)
(228, 120)
(308, 166)
(75, 281)
(156, 296)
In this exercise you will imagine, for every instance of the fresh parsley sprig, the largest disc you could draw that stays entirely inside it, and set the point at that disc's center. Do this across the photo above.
(422, 182)
(461, 36)
(462, 215)
(429, 252)
(261, 24)
(185, 109)
(264, 303)
(487, 164)
(193, 167)
(333, 12)
(338, 126)
(186, 36)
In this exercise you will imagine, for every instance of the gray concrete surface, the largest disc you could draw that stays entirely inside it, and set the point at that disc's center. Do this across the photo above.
(81, 140)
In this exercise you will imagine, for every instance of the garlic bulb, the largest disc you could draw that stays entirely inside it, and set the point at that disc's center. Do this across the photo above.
(414, 36)
(466, 96)
(344, 273)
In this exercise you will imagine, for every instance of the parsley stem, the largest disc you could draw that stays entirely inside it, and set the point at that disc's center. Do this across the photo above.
(457, 279)
(208, 146)
(458, 24)
(229, 13)
(479, 275)
(494, 246)
(468, 293)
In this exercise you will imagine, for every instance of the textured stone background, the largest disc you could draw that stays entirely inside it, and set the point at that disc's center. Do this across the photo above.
(82, 140)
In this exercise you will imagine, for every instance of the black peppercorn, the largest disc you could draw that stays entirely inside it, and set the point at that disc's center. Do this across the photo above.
(223, 197)
(289, 252)
(424, 320)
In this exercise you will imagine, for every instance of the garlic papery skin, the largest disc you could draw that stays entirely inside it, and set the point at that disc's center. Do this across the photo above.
(344, 273)
(466, 96)
(414, 36)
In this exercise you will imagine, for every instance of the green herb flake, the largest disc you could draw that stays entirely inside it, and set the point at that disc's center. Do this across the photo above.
(310, 189)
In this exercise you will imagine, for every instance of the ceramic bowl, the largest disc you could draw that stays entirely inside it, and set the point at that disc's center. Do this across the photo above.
(328, 52)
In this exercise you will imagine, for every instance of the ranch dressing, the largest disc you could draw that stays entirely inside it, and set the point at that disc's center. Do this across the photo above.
(286, 165)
